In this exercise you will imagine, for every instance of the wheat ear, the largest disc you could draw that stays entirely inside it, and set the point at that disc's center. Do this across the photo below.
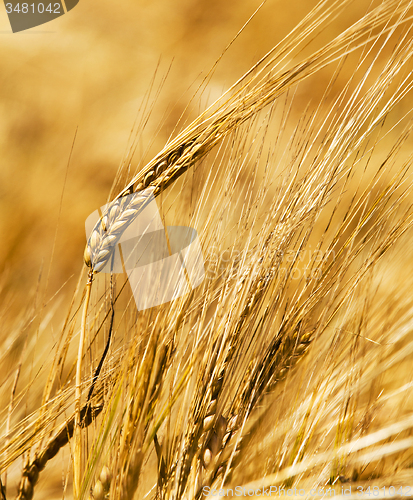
(32, 470)
(228, 113)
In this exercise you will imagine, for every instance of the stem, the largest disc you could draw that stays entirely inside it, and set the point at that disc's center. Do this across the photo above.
(77, 457)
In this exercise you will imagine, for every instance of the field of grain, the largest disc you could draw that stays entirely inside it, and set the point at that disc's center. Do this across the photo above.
(289, 366)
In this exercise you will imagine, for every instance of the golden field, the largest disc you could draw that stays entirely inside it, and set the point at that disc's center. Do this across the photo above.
(303, 336)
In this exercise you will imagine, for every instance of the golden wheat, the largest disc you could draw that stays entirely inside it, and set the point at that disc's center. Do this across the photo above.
(255, 360)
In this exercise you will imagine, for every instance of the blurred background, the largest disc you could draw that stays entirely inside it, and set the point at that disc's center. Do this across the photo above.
(74, 97)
